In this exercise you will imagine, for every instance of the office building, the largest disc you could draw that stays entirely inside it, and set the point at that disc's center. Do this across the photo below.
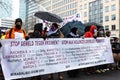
(104, 12)
(5, 8)
(6, 22)
(22, 10)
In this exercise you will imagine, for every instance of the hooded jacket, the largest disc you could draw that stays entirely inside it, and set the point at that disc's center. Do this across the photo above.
(90, 33)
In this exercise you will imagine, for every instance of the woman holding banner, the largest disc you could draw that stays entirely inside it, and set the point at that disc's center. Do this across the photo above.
(37, 33)
(73, 34)
(54, 32)
(116, 52)
(92, 33)
(101, 68)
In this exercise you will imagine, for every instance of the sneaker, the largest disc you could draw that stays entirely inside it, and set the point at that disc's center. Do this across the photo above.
(118, 68)
(102, 70)
(98, 71)
(107, 69)
(60, 78)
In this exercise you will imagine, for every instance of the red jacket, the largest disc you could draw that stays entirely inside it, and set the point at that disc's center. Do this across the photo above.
(90, 33)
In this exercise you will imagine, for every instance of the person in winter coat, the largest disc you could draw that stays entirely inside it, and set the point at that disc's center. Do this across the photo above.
(17, 31)
(101, 32)
(101, 68)
(54, 32)
(116, 52)
(37, 33)
(91, 33)
(108, 33)
(73, 34)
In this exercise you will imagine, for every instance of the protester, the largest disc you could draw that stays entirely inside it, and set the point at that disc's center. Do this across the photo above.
(116, 52)
(108, 33)
(101, 68)
(37, 33)
(54, 32)
(73, 34)
(101, 32)
(3, 35)
(16, 31)
(92, 33)
(44, 32)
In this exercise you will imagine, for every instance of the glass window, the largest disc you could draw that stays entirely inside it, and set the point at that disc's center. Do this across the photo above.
(101, 20)
(85, 14)
(106, 27)
(113, 7)
(96, 11)
(95, 2)
(113, 27)
(113, 17)
(106, 0)
(101, 10)
(90, 13)
(85, 6)
(85, 21)
(80, 7)
(106, 18)
(107, 9)
(90, 4)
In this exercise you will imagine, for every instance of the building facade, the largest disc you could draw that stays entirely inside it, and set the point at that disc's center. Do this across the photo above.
(31, 8)
(111, 17)
(22, 10)
(63, 8)
(9, 23)
(6, 8)
(104, 12)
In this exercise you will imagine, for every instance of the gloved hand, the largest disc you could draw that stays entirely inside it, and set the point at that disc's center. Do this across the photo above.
(95, 37)
(27, 38)
(0, 45)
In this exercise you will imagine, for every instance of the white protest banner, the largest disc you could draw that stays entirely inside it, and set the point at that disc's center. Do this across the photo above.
(22, 58)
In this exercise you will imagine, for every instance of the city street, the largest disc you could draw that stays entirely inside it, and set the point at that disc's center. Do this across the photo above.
(109, 75)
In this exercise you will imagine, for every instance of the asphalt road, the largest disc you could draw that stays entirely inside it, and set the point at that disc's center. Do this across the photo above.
(109, 75)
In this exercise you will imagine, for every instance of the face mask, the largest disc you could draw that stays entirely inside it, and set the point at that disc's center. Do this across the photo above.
(52, 29)
(18, 26)
(95, 30)
(108, 35)
(101, 32)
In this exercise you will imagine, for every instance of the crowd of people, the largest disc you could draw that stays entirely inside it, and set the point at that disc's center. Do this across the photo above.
(54, 32)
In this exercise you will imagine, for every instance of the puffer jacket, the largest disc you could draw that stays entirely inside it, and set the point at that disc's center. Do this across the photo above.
(90, 33)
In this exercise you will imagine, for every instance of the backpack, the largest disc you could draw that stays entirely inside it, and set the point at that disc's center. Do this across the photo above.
(11, 32)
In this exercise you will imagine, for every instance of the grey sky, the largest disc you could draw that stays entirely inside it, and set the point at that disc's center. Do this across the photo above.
(15, 7)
